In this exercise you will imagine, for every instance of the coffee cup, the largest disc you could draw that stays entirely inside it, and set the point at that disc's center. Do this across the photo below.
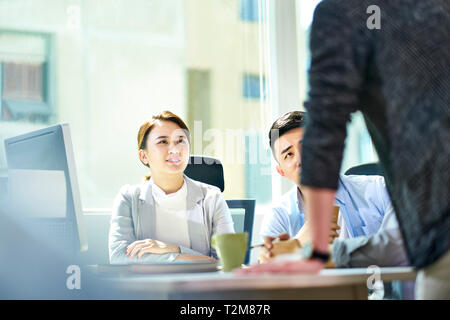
(231, 249)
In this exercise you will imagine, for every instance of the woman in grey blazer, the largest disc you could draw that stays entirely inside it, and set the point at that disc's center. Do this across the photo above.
(169, 216)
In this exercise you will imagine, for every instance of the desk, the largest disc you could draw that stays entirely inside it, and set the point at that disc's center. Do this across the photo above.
(328, 284)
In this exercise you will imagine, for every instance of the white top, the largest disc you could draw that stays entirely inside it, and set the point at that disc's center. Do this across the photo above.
(343, 232)
(171, 216)
(133, 218)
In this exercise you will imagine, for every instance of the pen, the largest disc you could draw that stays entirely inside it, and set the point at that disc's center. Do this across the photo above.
(262, 244)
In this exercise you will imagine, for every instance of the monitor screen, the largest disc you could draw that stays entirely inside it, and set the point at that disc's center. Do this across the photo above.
(43, 184)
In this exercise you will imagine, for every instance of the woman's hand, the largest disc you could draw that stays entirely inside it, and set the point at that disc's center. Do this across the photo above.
(150, 246)
(192, 257)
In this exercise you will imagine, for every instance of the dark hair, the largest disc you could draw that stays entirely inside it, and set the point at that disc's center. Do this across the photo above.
(285, 123)
(145, 129)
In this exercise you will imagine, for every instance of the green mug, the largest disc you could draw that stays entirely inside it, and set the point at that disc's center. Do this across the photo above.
(231, 249)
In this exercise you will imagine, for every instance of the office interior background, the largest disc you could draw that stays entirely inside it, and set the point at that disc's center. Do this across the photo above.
(228, 67)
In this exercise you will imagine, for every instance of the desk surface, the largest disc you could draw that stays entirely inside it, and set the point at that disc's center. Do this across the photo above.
(210, 282)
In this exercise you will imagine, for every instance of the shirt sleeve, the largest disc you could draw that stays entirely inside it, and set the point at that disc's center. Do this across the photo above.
(122, 234)
(185, 250)
(222, 221)
(336, 74)
(385, 248)
(274, 223)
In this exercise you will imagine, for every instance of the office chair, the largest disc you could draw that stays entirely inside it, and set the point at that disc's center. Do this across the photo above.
(207, 170)
(369, 169)
(249, 214)
(210, 170)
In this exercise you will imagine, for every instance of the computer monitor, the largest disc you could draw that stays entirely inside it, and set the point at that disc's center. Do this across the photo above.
(49, 150)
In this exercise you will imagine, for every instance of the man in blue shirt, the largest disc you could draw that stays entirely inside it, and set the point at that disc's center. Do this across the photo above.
(366, 213)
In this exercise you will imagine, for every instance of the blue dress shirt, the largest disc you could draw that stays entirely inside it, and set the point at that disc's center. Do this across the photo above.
(363, 202)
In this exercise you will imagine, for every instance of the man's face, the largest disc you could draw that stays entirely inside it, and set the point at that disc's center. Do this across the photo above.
(288, 152)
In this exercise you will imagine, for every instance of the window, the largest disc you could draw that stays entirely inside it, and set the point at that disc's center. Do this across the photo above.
(23, 81)
(258, 171)
(358, 144)
(106, 70)
(24, 89)
(251, 86)
(249, 10)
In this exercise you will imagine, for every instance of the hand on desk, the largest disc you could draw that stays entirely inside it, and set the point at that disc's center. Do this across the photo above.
(272, 249)
(286, 245)
(150, 246)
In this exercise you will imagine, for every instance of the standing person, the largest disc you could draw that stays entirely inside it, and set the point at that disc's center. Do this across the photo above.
(368, 231)
(397, 75)
(170, 216)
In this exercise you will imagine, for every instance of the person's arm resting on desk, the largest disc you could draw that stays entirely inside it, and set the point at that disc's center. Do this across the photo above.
(275, 226)
(384, 248)
(323, 201)
(122, 234)
(287, 244)
(338, 61)
(124, 247)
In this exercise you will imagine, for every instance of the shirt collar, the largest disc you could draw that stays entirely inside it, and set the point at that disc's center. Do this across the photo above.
(299, 199)
(194, 191)
(160, 195)
(146, 192)
(340, 191)
(299, 196)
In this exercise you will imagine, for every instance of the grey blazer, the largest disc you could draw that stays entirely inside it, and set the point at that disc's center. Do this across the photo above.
(133, 218)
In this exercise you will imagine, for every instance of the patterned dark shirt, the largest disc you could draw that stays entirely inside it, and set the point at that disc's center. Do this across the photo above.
(398, 76)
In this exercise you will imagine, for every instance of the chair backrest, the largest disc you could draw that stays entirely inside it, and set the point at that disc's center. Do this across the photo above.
(210, 170)
(207, 170)
(245, 223)
(369, 169)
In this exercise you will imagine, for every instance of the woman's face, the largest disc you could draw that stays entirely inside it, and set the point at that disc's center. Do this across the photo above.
(167, 149)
